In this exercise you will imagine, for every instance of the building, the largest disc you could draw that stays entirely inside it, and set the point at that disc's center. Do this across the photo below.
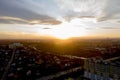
(14, 45)
(99, 69)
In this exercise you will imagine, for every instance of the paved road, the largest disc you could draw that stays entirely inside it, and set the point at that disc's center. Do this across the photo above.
(59, 74)
(114, 58)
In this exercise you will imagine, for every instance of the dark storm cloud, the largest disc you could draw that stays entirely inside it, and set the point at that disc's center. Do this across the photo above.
(10, 9)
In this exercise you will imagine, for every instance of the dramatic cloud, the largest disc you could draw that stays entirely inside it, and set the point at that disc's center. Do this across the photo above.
(93, 8)
(51, 11)
(59, 16)
(10, 12)
(111, 10)
(100, 9)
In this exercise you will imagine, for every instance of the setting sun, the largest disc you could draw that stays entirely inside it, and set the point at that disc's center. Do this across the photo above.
(62, 36)
(65, 31)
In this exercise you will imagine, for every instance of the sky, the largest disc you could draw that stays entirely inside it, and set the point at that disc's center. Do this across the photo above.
(35, 19)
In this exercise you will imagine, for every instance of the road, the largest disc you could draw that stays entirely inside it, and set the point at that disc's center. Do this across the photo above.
(114, 58)
(60, 74)
(8, 66)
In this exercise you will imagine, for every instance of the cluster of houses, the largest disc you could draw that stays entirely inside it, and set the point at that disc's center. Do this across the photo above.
(23, 62)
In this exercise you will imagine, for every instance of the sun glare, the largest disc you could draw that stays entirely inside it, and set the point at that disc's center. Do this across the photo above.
(64, 31)
(67, 32)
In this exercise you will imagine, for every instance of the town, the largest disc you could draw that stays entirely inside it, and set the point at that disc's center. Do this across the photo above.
(25, 60)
